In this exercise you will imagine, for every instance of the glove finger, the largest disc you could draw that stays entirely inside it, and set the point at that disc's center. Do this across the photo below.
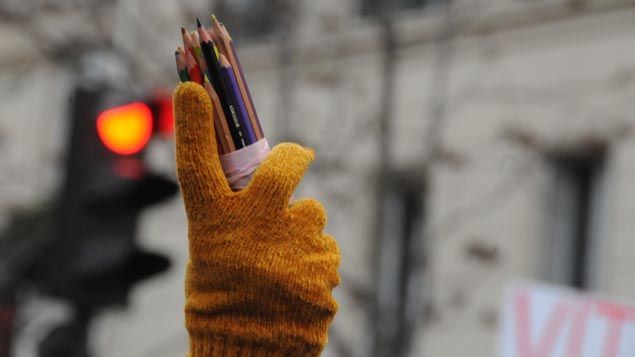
(279, 174)
(309, 213)
(198, 165)
(331, 246)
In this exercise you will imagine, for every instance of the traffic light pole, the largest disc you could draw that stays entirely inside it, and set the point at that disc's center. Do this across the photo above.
(71, 338)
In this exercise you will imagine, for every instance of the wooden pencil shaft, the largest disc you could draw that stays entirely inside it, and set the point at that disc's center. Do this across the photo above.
(215, 23)
(200, 60)
(222, 49)
(220, 117)
(225, 34)
(217, 37)
(196, 44)
(203, 34)
(178, 55)
(220, 138)
(187, 40)
(221, 144)
(221, 150)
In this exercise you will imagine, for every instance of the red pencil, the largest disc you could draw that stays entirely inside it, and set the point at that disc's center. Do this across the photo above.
(192, 68)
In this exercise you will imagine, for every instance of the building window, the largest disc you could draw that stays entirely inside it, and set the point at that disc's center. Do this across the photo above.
(373, 7)
(400, 265)
(575, 203)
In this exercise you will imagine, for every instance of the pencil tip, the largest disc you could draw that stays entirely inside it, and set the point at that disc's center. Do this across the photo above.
(183, 30)
(223, 61)
(214, 19)
(198, 22)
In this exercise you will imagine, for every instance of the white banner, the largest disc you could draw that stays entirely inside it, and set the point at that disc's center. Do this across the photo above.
(545, 321)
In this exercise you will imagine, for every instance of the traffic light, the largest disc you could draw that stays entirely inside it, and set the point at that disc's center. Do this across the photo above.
(96, 260)
(125, 129)
(81, 245)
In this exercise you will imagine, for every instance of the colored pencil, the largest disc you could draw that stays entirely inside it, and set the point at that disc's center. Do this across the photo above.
(195, 43)
(180, 65)
(233, 93)
(216, 26)
(187, 41)
(214, 40)
(223, 146)
(242, 83)
(219, 117)
(193, 70)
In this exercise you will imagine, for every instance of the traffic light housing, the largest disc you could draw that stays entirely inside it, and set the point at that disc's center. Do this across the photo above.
(95, 259)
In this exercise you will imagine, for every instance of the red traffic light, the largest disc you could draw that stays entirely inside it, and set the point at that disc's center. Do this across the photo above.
(125, 129)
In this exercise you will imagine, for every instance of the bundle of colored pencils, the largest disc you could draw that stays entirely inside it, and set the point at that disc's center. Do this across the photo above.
(209, 58)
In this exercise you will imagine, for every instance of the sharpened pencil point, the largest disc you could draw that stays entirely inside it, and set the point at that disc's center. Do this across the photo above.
(182, 30)
(198, 22)
(215, 20)
(223, 61)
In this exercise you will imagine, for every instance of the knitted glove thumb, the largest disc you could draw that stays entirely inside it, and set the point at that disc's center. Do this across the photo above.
(261, 271)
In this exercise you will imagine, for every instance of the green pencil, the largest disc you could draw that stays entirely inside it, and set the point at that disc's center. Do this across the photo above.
(180, 65)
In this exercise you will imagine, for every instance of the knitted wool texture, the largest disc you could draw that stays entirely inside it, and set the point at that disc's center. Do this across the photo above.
(261, 272)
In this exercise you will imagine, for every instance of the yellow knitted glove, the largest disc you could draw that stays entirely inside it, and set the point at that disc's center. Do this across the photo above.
(261, 271)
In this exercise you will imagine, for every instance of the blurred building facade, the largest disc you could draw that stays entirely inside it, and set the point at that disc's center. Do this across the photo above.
(460, 146)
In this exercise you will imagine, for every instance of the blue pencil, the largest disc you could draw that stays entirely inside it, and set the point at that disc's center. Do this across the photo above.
(233, 92)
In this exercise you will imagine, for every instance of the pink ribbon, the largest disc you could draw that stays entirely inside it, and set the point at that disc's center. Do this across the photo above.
(241, 164)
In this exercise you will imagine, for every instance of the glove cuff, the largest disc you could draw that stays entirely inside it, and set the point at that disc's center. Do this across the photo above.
(211, 346)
